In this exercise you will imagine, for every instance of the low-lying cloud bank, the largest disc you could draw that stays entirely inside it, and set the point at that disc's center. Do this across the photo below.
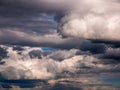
(19, 65)
(32, 63)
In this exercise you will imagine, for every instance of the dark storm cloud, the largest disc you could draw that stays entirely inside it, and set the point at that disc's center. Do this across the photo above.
(94, 48)
(29, 7)
(21, 37)
(3, 53)
(28, 15)
(41, 23)
(111, 53)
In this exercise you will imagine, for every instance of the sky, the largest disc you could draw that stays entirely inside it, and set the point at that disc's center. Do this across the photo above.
(81, 27)
(64, 24)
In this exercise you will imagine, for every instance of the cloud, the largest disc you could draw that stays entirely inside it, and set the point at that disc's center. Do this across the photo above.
(112, 53)
(85, 14)
(34, 6)
(43, 23)
(95, 20)
(94, 48)
(18, 36)
(3, 53)
(19, 64)
(64, 54)
(87, 40)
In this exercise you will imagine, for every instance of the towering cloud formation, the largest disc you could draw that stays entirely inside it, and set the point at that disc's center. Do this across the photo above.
(94, 19)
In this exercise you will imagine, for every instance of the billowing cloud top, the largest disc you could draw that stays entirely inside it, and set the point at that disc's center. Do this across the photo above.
(95, 19)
